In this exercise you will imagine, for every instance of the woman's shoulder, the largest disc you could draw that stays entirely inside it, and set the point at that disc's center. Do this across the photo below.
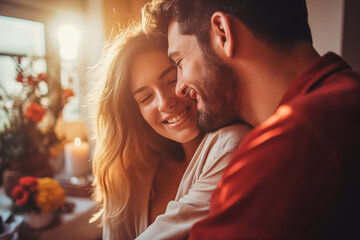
(227, 138)
(232, 133)
(234, 130)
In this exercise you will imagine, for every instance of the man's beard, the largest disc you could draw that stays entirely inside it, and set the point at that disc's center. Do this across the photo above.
(218, 92)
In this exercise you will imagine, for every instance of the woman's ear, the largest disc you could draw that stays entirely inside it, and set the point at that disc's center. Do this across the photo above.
(222, 36)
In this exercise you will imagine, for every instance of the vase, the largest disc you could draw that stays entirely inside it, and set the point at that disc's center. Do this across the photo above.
(38, 220)
(10, 180)
(36, 166)
(4, 164)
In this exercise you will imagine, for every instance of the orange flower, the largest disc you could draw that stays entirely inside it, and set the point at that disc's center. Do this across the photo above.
(42, 77)
(50, 195)
(67, 93)
(35, 112)
(19, 77)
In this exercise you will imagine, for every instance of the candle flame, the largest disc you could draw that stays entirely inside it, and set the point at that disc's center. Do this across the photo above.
(77, 142)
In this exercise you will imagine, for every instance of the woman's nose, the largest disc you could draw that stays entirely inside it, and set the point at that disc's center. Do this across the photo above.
(166, 103)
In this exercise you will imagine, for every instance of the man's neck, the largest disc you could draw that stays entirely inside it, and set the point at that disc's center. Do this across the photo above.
(267, 76)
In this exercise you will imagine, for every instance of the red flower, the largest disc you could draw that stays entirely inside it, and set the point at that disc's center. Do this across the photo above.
(28, 182)
(20, 195)
(35, 112)
(19, 77)
(17, 192)
(30, 80)
(21, 201)
(42, 77)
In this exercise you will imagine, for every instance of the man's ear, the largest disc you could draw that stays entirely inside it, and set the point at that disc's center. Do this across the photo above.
(222, 35)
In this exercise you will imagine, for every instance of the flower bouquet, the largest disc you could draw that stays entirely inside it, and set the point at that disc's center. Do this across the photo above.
(38, 199)
(28, 117)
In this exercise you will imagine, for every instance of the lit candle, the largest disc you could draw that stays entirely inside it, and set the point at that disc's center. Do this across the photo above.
(77, 158)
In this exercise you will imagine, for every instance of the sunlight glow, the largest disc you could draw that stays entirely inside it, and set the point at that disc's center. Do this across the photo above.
(281, 113)
(69, 38)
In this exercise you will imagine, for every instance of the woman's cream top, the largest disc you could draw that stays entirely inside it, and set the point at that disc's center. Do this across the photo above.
(192, 201)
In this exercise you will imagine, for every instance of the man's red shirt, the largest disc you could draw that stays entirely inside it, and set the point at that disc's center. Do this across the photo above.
(296, 175)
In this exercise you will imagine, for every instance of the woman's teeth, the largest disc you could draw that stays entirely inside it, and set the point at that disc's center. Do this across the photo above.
(178, 117)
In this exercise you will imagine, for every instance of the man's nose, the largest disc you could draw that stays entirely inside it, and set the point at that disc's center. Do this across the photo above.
(181, 89)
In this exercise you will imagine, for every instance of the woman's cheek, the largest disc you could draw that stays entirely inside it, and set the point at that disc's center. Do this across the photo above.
(147, 113)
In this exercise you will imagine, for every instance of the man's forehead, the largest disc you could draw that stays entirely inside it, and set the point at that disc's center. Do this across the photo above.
(178, 42)
(173, 34)
(173, 28)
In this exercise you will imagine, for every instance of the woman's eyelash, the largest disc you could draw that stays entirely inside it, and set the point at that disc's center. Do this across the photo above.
(145, 99)
(177, 63)
(172, 82)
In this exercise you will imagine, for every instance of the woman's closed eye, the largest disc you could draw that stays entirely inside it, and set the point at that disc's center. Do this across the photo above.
(178, 63)
(145, 99)
(172, 82)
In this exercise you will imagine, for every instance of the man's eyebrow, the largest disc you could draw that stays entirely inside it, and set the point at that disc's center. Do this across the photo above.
(139, 90)
(163, 74)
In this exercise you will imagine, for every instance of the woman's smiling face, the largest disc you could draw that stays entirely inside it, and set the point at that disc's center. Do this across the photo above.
(153, 81)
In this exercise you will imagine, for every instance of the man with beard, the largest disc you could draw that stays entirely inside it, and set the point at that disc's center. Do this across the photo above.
(295, 175)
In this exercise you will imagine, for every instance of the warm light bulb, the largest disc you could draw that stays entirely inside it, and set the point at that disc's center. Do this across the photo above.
(77, 142)
(69, 37)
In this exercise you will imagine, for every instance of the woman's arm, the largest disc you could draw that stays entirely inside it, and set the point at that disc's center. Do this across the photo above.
(180, 215)
(192, 202)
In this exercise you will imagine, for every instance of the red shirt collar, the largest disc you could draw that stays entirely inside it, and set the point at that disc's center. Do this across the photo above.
(314, 74)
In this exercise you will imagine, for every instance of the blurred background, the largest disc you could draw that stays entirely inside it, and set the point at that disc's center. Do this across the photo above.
(70, 33)
(59, 40)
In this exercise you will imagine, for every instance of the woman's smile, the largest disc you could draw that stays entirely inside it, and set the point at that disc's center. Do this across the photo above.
(177, 118)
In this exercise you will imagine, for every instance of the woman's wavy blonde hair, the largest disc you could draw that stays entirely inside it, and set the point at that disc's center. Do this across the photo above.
(124, 140)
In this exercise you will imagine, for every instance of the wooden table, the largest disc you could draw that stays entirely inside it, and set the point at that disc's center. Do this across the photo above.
(69, 226)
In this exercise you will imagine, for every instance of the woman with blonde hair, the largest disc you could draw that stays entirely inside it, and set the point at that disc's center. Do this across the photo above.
(154, 171)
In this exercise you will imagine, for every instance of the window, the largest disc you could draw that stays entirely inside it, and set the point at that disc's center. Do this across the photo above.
(20, 38)
(26, 39)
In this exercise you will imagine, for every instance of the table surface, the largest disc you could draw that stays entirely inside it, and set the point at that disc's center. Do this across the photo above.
(74, 225)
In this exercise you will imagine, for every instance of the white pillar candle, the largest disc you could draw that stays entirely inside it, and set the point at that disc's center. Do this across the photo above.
(77, 158)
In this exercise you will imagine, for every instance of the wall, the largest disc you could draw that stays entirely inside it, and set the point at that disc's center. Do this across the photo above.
(335, 26)
(326, 19)
(351, 41)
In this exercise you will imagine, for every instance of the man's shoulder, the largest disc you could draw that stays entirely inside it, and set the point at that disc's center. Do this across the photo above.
(321, 123)
(335, 90)
(332, 108)
(285, 128)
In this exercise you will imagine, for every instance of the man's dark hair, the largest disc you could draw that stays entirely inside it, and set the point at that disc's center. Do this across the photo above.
(280, 23)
